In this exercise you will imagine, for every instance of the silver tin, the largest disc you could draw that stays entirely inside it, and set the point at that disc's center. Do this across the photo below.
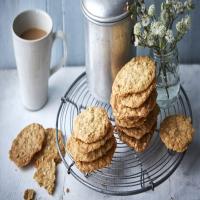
(108, 47)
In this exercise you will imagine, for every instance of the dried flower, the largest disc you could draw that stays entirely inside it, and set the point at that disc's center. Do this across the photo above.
(151, 10)
(136, 43)
(138, 28)
(157, 31)
(178, 7)
(145, 21)
(158, 28)
(184, 25)
(169, 36)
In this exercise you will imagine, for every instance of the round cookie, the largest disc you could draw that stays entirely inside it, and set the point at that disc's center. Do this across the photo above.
(27, 143)
(88, 167)
(91, 156)
(135, 76)
(86, 148)
(135, 100)
(137, 145)
(91, 125)
(145, 124)
(139, 122)
(121, 111)
(137, 132)
(176, 132)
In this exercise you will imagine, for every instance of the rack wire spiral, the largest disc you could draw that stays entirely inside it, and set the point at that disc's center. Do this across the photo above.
(130, 172)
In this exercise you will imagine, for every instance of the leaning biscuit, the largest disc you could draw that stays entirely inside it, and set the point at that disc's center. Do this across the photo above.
(50, 151)
(105, 161)
(136, 76)
(120, 111)
(28, 142)
(91, 125)
(143, 123)
(45, 175)
(91, 156)
(138, 145)
(176, 132)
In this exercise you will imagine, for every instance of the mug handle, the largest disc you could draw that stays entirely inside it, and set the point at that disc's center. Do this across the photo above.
(60, 35)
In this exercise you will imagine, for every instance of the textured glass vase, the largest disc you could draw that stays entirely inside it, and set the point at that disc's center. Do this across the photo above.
(168, 79)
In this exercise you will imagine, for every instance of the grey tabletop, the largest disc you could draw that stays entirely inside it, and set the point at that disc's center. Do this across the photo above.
(184, 184)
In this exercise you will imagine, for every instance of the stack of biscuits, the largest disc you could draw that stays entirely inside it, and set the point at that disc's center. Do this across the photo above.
(92, 143)
(133, 102)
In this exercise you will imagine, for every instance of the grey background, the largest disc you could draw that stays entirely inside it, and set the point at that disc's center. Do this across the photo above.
(67, 16)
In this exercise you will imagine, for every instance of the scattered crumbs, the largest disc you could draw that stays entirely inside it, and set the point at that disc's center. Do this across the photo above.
(67, 190)
(29, 194)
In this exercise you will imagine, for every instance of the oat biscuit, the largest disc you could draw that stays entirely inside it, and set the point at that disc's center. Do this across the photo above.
(29, 194)
(102, 162)
(45, 175)
(49, 150)
(138, 145)
(86, 148)
(136, 132)
(135, 100)
(120, 111)
(136, 76)
(91, 125)
(176, 132)
(143, 123)
(91, 156)
(28, 142)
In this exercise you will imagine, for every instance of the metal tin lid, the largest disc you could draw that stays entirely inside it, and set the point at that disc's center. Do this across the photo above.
(105, 11)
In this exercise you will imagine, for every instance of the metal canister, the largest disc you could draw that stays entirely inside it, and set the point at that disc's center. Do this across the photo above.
(108, 47)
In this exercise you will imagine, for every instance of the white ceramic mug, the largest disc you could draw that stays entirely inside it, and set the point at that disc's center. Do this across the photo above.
(33, 57)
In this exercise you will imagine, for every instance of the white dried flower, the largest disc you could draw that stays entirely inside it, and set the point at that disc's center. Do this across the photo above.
(169, 36)
(184, 25)
(136, 43)
(188, 22)
(145, 21)
(188, 4)
(151, 10)
(179, 7)
(138, 28)
(150, 40)
(164, 16)
(158, 28)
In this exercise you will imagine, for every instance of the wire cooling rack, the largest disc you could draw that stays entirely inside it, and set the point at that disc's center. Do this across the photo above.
(130, 172)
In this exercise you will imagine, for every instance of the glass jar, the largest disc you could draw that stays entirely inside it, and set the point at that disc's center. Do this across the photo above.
(168, 79)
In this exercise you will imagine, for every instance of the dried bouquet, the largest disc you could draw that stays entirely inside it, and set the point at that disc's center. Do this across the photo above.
(159, 32)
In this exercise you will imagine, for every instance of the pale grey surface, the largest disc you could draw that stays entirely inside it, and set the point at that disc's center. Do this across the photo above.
(184, 184)
(67, 16)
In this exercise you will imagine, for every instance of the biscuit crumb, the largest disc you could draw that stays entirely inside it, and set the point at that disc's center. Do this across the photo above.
(67, 190)
(29, 194)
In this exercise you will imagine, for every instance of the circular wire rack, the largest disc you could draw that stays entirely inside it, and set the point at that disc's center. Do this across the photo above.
(130, 172)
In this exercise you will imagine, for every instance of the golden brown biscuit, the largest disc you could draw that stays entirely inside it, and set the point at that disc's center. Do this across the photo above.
(176, 132)
(135, 100)
(120, 111)
(88, 147)
(102, 162)
(29, 194)
(91, 125)
(91, 156)
(143, 123)
(138, 145)
(28, 142)
(50, 151)
(137, 132)
(135, 76)
(45, 175)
